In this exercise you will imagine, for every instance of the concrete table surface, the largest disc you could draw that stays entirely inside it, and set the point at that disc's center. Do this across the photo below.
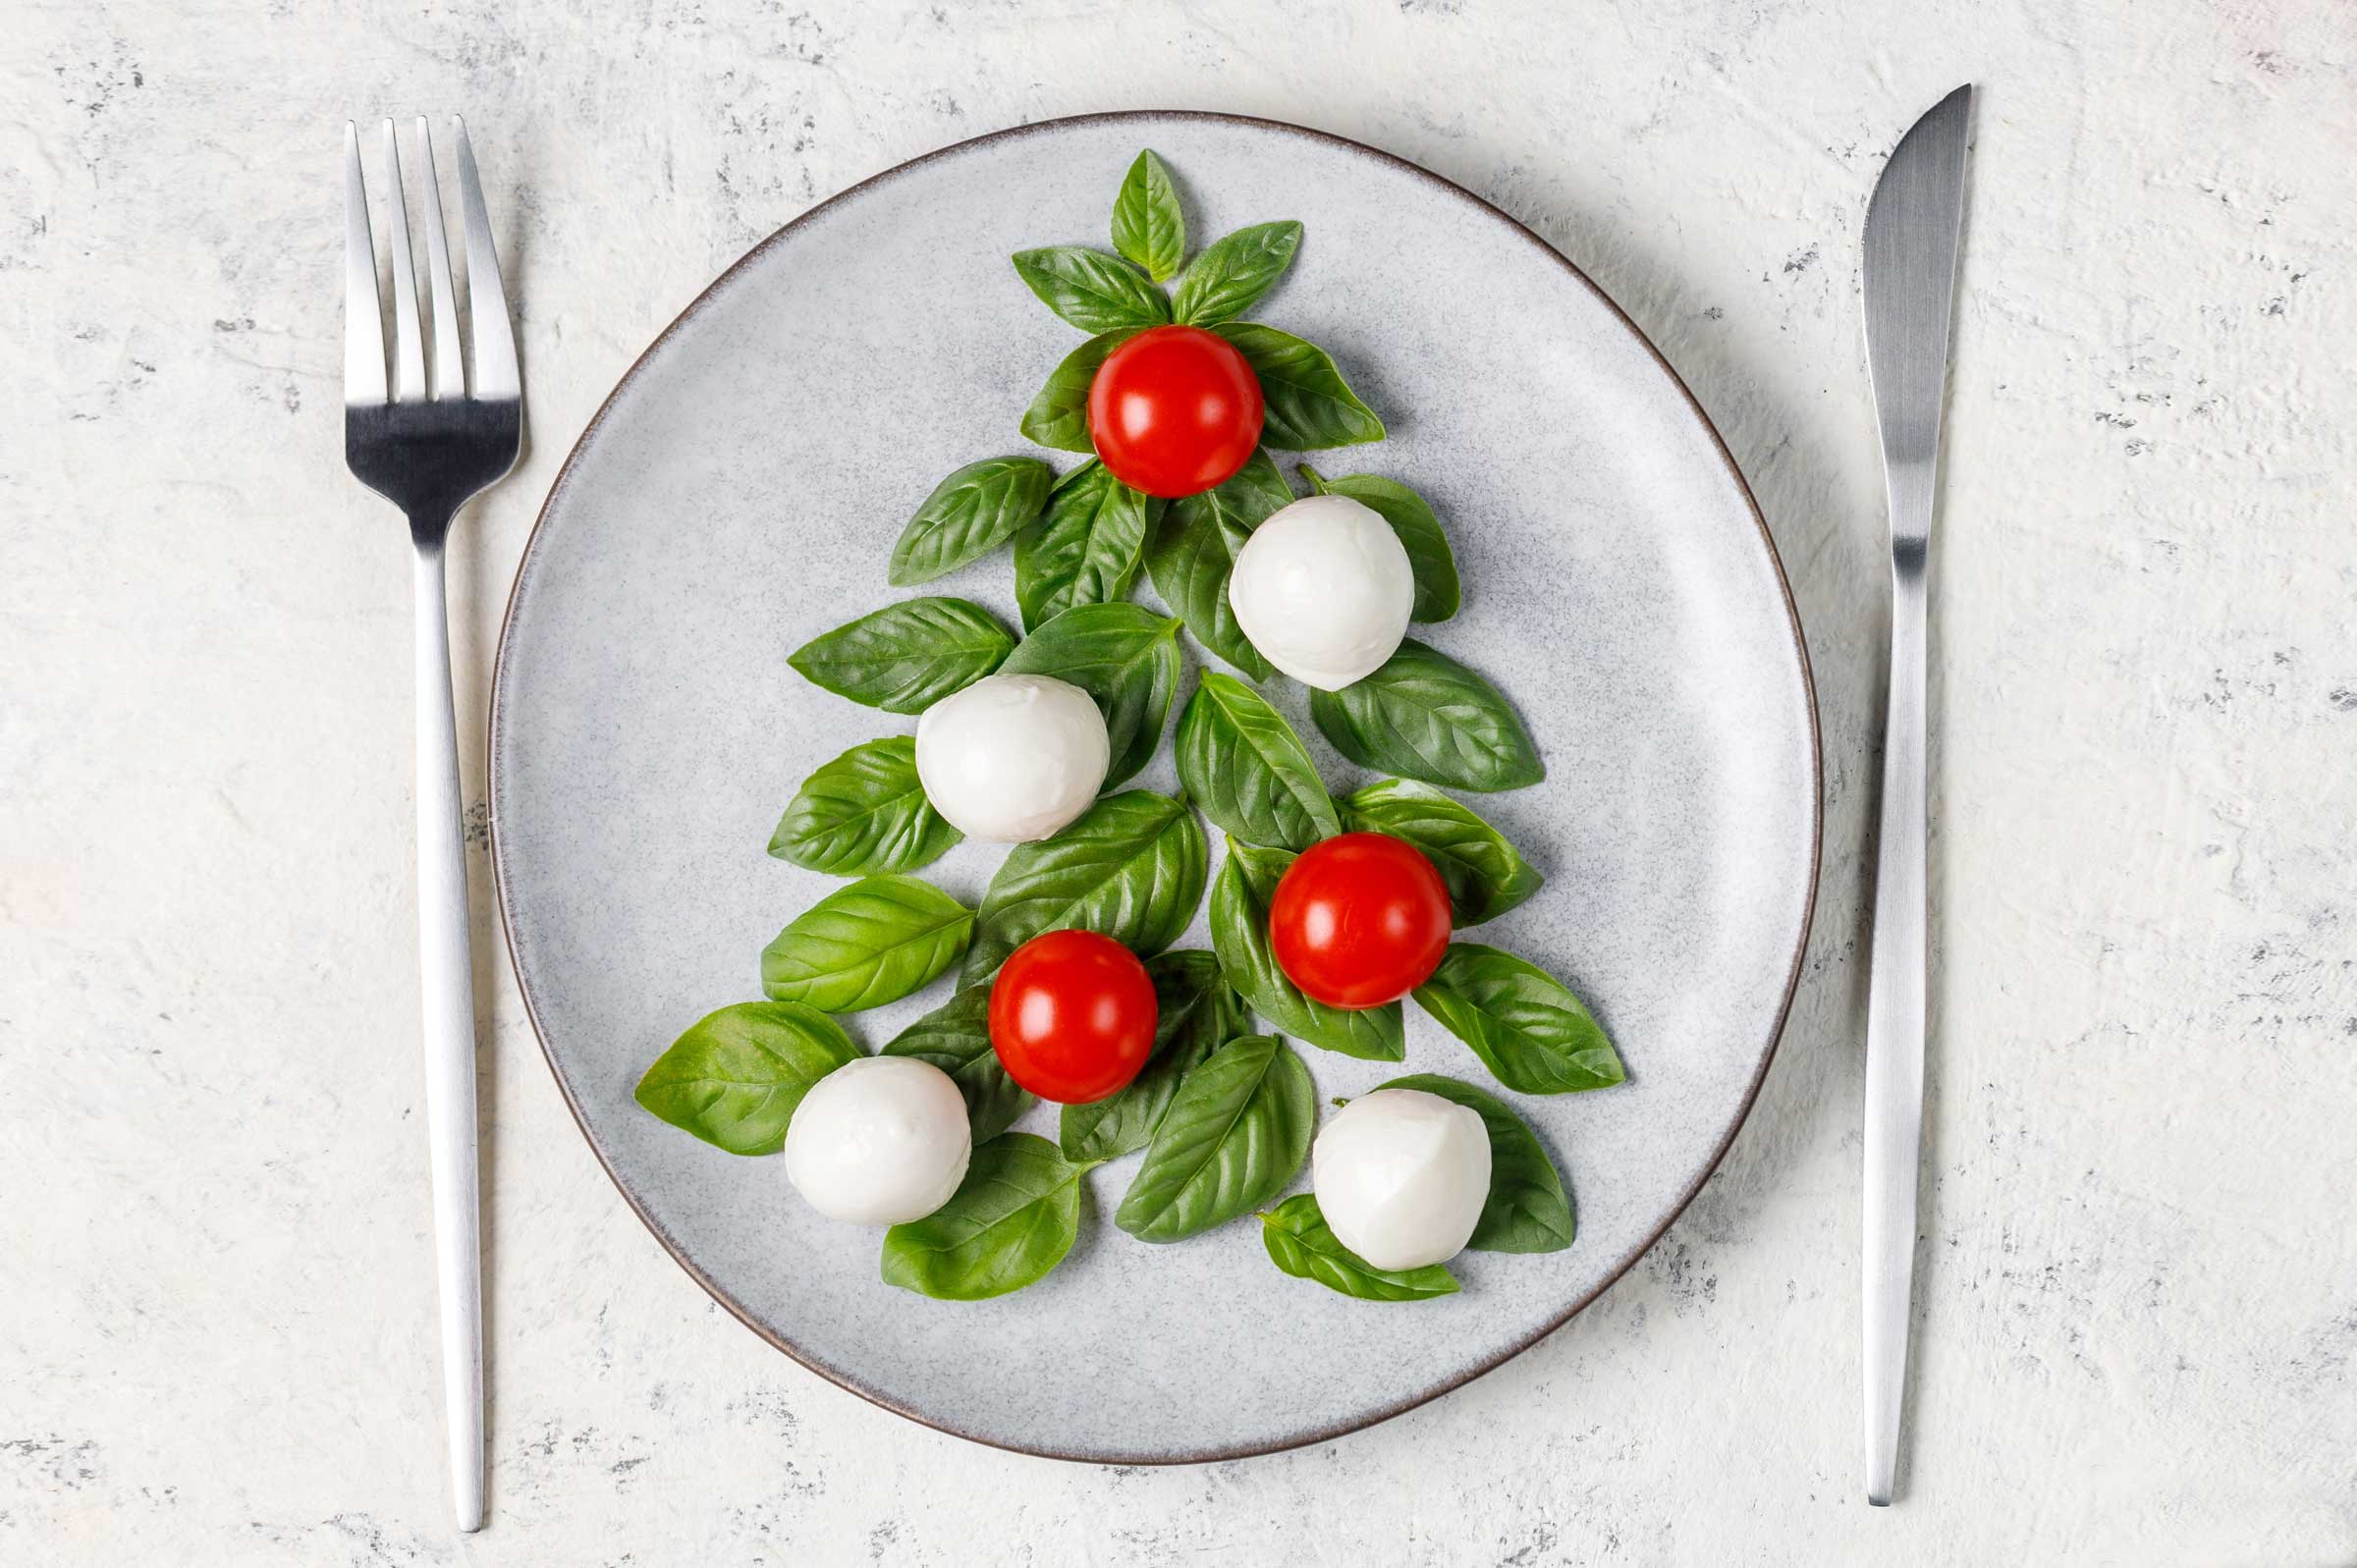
(2137, 1314)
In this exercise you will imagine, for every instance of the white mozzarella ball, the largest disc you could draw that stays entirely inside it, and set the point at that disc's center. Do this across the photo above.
(1323, 590)
(1401, 1176)
(879, 1141)
(1011, 757)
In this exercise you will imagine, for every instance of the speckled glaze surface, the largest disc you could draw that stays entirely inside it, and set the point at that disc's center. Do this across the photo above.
(740, 494)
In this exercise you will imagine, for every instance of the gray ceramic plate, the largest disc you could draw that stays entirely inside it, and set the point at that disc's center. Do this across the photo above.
(739, 493)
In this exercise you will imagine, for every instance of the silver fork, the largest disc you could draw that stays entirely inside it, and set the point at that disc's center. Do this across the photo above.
(429, 454)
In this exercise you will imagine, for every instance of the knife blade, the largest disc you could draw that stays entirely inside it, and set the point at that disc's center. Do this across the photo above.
(1913, 224)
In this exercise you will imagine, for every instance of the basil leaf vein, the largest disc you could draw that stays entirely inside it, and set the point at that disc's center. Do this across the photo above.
(1424, 716)
(1124, 657)
(1243, 764)
(1009, 1222)
(1235, 1133)
(1486, 876)
(1234, 271)
(1091, 290)
(1532, 1033)
(1148, 226)
(1308, 403)
(1193, 555)
(1240, 933)
(1131, 867)
(1301, 1243)
(955, 1038)
(1199, 1013)
(1527, 1209)
(1059, 415)
(863, 946)
(906, 657)
(1087, 550)
(1429, 557)
(967, 516)
(864, 812)
(736, 1076)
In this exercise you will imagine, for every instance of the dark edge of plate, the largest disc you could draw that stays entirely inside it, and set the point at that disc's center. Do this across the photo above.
(1454, 1380)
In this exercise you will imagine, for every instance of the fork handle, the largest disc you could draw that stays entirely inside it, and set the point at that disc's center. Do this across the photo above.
(448, 990)
(1895, 1014)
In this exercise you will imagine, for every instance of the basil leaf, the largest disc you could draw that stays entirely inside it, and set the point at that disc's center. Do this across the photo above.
(1193, 553)
(1198, 1014)
(1240, 933)
(862, 813)
(1309, 405)
(734, 1077)
(1125, 658)
(1527, 1210)
(1091, 290)
(1301, 1243)
(1011, 1220)
(863, 946)
(1485, 876)
(1244, 766)
(1424, 716)
(1131, 868)
(1059, 417)
(1147, 226)
(1411, 517)
(907, 657)
(967, 516)
(1087, 550)
(955, 1038)
(1533, 1035)
(1235, 1133)
(1232, 274)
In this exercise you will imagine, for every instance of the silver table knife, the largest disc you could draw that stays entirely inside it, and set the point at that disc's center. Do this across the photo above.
(1912, 226)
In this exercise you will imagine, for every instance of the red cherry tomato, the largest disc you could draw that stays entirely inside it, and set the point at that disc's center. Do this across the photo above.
(1071, 1016)
(1174, 411)
(1360, 920)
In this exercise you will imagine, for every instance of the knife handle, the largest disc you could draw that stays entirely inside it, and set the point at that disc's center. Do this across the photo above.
(1894, 1011)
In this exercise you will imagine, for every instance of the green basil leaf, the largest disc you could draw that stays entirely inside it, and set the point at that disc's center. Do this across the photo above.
(907, 657)
(1240, 933)
(1087, 550)
(734, 1077)
(1147, 226)
(955, 1038)
(1424, 716)
(1125, 658)
(1309, 405)
(1198, 1013)
(1232, 274)
(1532, 1033)
(968, 514)
(1235, 1133)
(864, 812)
(1091, 290)
(1193, 552)
(1527, 1210)
(1011, 1219)
(1411, 517)
(863, 946)
(1243, 764)
(1059, 417)
(1485, 876)
(1132, 867)
(1301, 1243)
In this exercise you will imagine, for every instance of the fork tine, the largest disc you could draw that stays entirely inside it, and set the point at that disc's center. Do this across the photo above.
(408, 345)
(450, 373)
(363, 310)
(491, 334)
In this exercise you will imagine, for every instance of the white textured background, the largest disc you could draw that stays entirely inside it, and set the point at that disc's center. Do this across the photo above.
(2138, 1312)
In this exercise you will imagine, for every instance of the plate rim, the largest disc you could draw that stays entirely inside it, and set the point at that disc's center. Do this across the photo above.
(1454, 1380)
